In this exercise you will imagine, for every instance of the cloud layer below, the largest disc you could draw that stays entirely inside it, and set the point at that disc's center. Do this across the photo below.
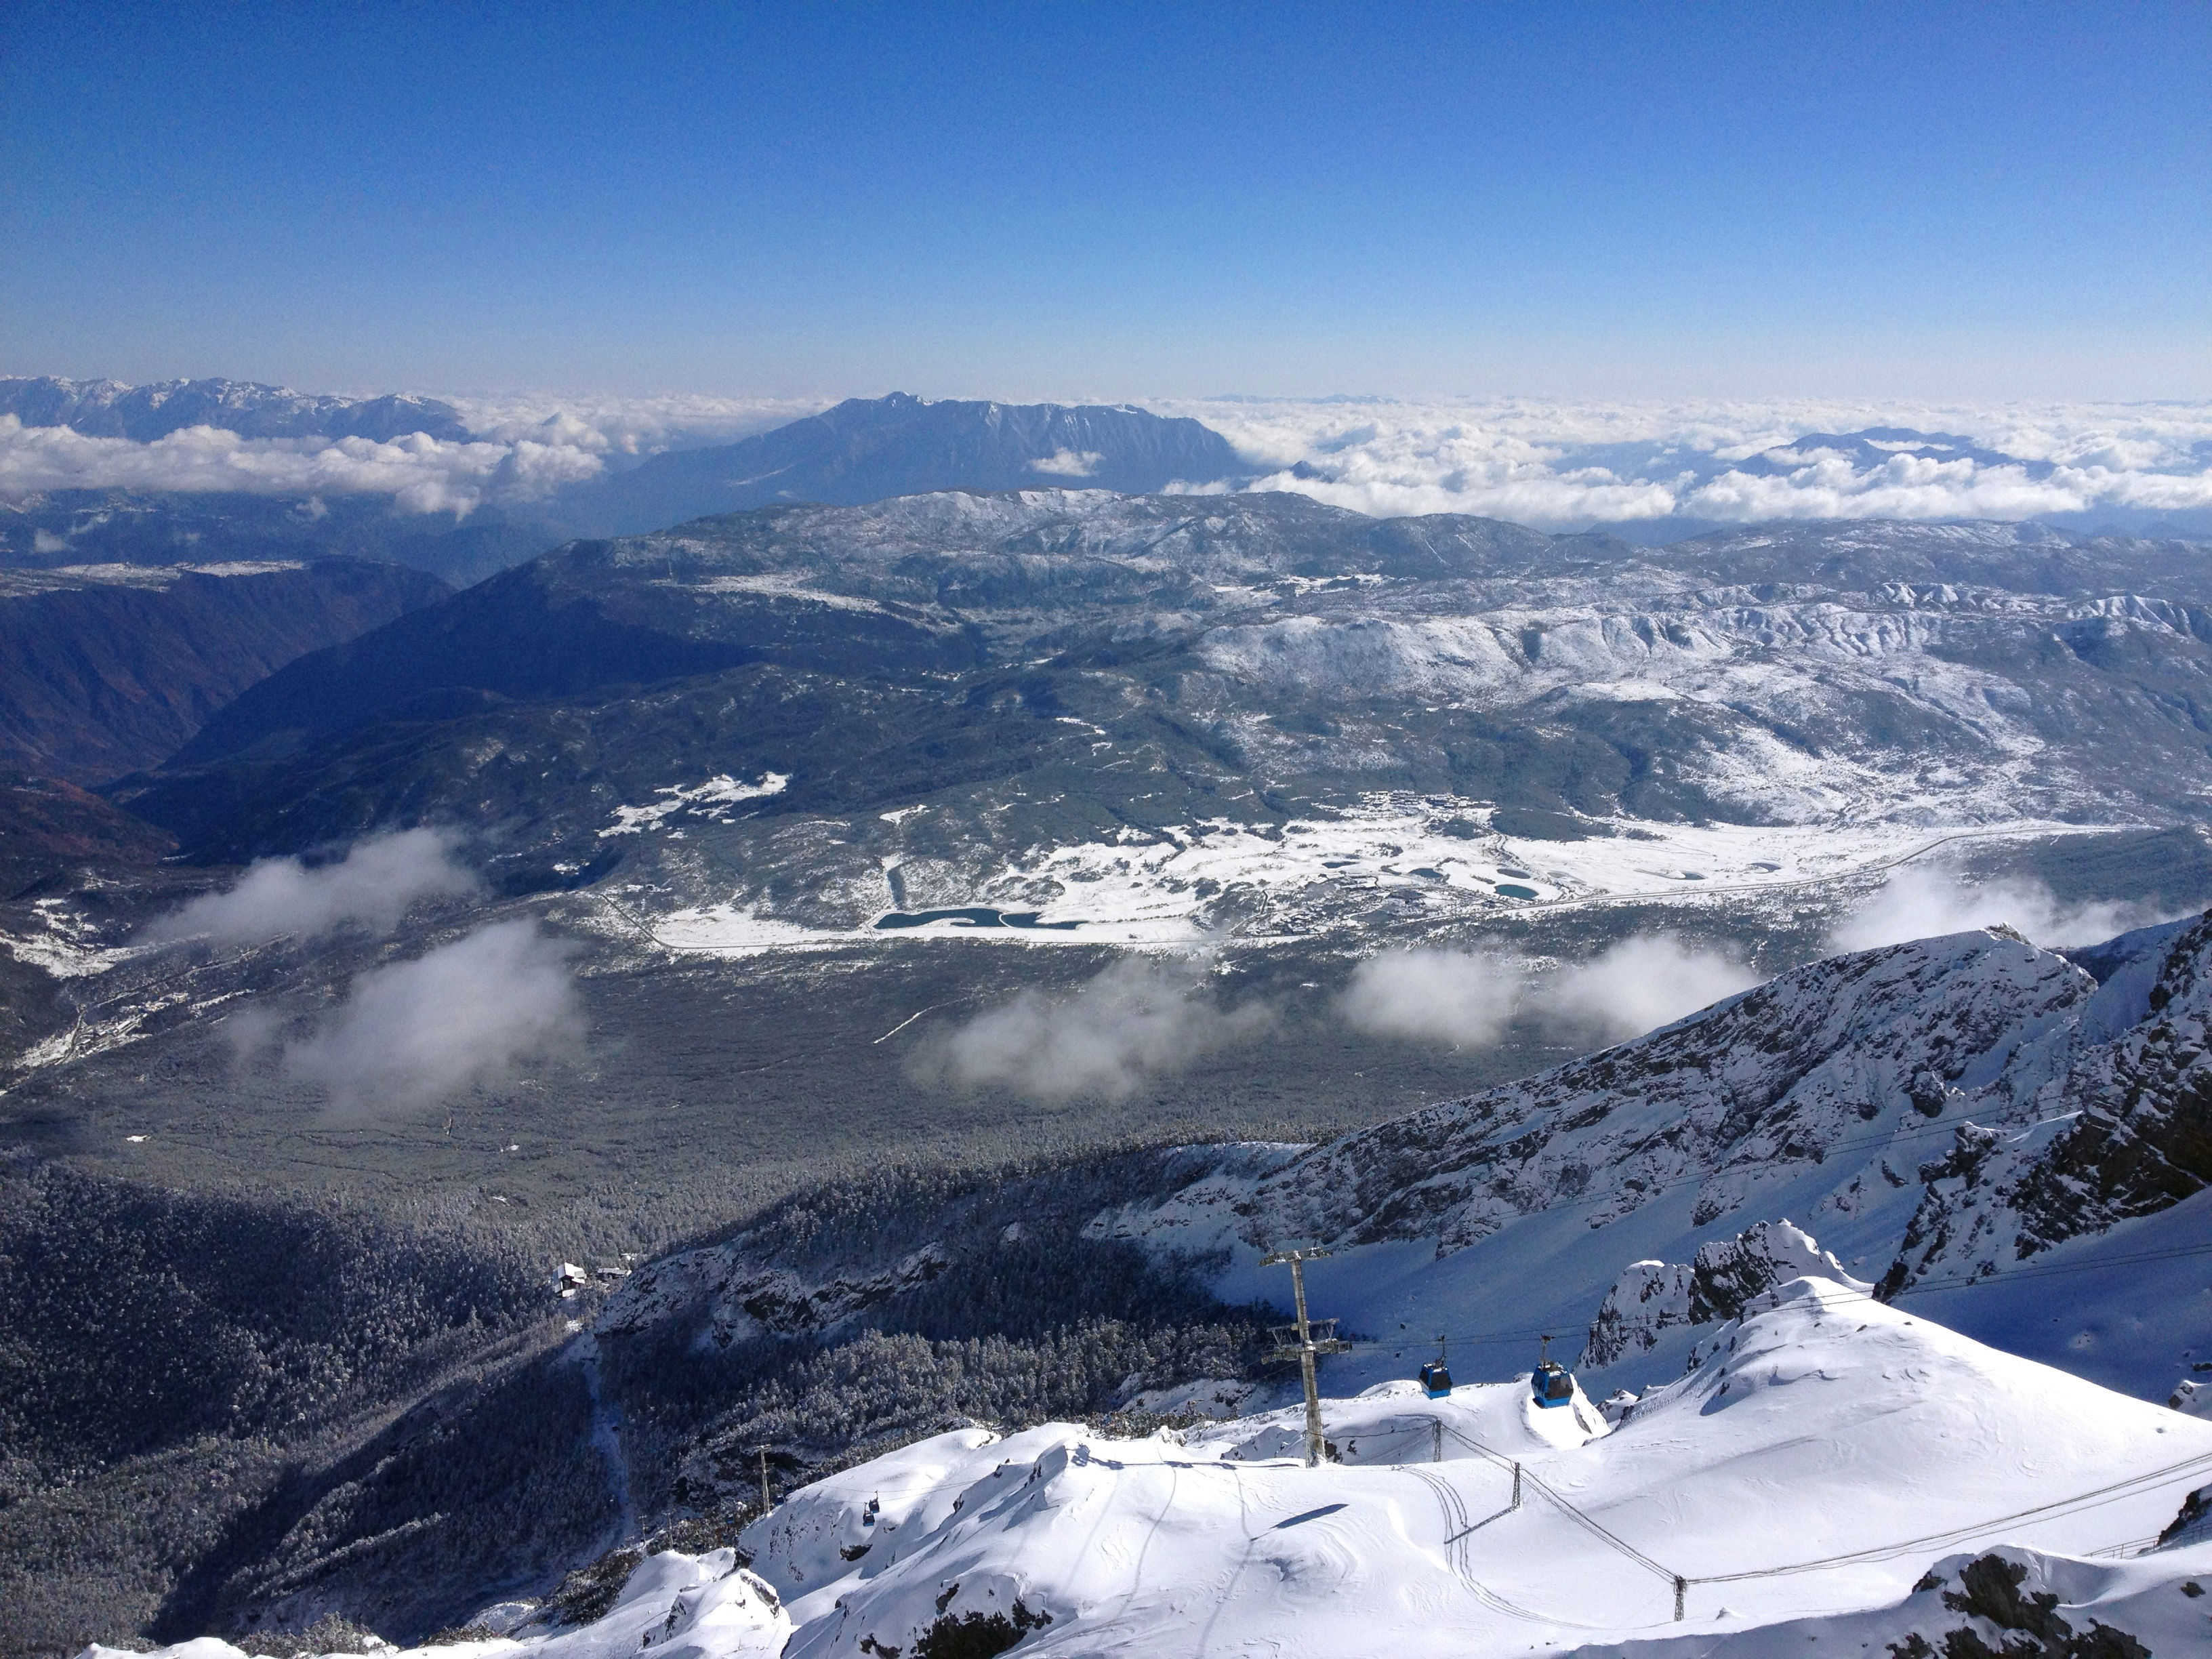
(1556, 465)
(1468, 1001)
(1926, 903)
(1433, 996)
(525, 450)
(1570, 466)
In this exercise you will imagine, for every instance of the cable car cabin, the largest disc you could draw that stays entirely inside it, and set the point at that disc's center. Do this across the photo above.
(1553, 1383)
(1435, 1380)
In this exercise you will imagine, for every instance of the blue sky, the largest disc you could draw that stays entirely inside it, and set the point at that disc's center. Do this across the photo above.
(1069, 200)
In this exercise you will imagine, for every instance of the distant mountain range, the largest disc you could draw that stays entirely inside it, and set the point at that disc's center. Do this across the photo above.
(790, 786)
(872, 449)
(1047, 668)
(1875, 446)
(110, 408)
(57, 528)
(788, 789)
(863, 450)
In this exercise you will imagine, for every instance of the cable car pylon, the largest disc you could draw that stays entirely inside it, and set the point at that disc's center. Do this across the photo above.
(1305, 1342)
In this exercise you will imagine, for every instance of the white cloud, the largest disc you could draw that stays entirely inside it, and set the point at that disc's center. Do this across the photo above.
(1551, 464)
(1638, 985)
(466, 1013)
(1133, 1023)
(379, 879)
(1927, 903)
(1069, 463)
(1432, 996)
(1450, 996)
(421, 474)
(525, 449)
(1570, 465)
(629, 426)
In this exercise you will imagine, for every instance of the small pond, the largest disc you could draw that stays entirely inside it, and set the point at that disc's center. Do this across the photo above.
(973, 915)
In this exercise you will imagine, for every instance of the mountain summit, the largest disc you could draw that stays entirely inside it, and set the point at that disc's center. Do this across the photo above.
(868, 449)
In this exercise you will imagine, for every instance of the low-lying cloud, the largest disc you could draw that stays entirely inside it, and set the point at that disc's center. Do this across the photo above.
(1135, 1022)
(466, 1013)
(379, 879)
(1069, 463)
(1926, 903)
(1433, 996)
(1637, 985)
(1468, 1001)
(421, 474)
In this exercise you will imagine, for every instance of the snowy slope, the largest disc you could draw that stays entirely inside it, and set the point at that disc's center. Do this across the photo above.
(1939, 1116)
(2012, 1601)
(1830, 1451)
(681, 1607)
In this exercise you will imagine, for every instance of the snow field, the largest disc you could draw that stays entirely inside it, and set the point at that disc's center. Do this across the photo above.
(1159, 893)
(1828, 1451)
(1828, 1426)
(719, 792)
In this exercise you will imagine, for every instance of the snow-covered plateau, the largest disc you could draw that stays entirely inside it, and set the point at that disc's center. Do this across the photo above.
(1436, 859)
(1836, 1472)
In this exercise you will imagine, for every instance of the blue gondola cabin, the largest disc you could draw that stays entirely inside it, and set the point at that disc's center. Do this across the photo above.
(1553, 1383)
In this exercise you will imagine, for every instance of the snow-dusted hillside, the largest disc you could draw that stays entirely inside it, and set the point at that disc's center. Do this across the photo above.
(1985, 1128)
(1939, 1115)
(1043, 700)
(1827, 1453)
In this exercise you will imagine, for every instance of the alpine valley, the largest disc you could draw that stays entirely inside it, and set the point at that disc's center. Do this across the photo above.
(732, 1088)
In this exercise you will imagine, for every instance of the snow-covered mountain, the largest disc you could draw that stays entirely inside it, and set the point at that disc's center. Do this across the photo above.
(1832, 1455)
(794, 787)
(1761, 1227)
(111, 409)
(867, 449)
(1940, 1116)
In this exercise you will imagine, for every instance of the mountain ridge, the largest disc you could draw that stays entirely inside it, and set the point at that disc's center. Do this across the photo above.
(871, 449)
(143, 413)
(107, 669)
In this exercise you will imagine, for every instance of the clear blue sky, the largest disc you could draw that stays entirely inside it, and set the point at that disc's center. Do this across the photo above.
(1062, 199)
